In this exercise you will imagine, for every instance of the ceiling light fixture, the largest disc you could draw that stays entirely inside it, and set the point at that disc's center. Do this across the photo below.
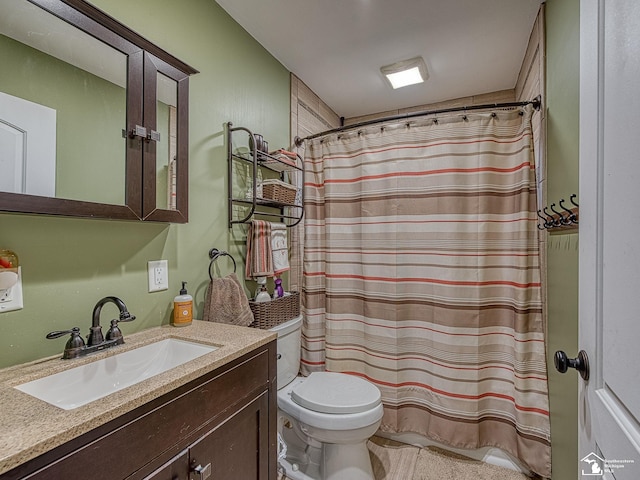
(405, 72)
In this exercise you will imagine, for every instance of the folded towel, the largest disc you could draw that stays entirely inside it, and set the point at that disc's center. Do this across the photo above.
(259, 257)
(279, 248)
(226, 302)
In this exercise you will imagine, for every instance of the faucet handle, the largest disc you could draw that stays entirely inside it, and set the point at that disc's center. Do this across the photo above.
(75, 341)
(57, 334)
(114, 332)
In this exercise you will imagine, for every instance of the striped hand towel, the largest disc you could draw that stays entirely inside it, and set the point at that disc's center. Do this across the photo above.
(279, 248)
(259, 256)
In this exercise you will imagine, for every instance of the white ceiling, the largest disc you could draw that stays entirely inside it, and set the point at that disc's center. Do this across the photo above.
(338, 46)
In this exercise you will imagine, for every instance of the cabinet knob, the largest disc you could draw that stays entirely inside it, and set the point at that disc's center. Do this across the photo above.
(200, 472)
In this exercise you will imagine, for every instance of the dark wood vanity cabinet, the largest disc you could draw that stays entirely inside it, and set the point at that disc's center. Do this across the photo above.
(222, 424)
(231, 450)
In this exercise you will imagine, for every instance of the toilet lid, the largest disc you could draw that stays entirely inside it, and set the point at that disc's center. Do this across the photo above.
(328, 392)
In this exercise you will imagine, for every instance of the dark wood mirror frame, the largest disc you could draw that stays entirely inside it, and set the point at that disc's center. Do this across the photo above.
(145, 61)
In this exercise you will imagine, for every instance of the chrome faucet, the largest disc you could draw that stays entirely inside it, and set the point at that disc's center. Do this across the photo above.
(76, 346)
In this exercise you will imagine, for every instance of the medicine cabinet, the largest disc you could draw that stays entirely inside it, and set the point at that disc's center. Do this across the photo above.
(93, 117)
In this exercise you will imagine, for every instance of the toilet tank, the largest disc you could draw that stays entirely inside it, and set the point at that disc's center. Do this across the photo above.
(288, 350)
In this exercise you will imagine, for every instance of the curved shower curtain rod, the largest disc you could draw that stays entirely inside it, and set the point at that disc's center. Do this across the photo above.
(536, 102)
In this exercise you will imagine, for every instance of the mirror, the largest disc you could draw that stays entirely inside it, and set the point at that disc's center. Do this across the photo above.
(166, 147)
(63, 106)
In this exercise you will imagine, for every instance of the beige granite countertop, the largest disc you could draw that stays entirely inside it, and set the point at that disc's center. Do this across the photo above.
(30, 427)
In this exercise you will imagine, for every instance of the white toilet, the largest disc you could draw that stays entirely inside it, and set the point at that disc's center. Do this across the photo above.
(325, 419)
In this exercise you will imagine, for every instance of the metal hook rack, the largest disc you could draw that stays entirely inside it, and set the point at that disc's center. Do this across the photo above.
(563, 219)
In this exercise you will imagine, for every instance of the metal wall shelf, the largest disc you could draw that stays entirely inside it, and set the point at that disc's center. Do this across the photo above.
(261, 160)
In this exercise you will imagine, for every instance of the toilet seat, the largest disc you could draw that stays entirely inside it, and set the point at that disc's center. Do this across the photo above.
(336, 393)
(332, 421)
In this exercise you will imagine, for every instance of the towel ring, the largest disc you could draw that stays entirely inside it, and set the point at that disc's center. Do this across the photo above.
(214, 254)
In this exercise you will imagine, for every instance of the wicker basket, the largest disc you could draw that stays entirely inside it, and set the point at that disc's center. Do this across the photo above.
(269, 314)
(278, 191)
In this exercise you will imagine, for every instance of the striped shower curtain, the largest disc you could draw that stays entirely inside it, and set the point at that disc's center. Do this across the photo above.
(421, 274)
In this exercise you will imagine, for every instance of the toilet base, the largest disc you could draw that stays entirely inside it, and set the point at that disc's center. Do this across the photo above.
(326, 462)
(347, 462)
(293, 472)
(301, 462)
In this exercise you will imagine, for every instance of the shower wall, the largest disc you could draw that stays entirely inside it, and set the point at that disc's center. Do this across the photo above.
(484, 98)
(309, 115)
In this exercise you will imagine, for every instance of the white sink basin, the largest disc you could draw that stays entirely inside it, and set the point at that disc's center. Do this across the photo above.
(80, 385)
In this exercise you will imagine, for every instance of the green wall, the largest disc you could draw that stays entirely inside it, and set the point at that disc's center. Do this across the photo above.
(563, 68)
(68, 264)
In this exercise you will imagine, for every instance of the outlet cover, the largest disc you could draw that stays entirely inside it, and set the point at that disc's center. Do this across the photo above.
(158, 275)
(11, 299)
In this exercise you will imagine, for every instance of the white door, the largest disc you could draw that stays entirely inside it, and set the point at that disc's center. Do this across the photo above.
(27, 147)
(609, 402)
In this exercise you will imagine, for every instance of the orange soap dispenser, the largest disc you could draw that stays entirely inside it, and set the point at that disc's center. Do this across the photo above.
(182, 308)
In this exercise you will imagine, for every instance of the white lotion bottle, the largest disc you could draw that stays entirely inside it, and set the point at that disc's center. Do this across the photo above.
(262, 295)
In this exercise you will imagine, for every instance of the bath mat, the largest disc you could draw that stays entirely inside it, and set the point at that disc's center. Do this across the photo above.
(436, 464)
(392, 460)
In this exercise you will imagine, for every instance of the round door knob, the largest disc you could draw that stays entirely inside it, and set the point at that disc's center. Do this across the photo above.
(580, 363)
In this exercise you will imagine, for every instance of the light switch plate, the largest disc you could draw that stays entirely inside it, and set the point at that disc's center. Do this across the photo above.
(158, 275)
(12, 299)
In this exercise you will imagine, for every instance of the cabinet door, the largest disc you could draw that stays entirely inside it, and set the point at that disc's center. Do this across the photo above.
(174, 469)
(237, 448)
(165, 158)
